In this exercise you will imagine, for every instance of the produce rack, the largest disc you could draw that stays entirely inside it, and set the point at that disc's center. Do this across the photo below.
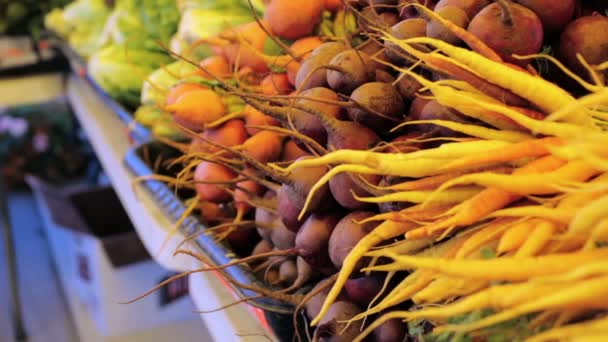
(100, 122)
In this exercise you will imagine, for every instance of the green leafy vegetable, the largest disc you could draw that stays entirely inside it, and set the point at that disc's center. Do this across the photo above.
(121, 71)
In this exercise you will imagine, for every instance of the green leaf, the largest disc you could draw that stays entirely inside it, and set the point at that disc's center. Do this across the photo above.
(271, 48)
(487, 253)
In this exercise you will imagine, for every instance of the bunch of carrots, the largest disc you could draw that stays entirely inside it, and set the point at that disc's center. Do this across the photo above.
(415, 184)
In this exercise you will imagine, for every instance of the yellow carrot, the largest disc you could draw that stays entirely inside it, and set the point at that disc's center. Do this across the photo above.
(475, 130)
(408, 287)
(432, 182)
(589, 294)
(586, 270)
(538, 238)
(376, 159)
(544, 94)
(511, 269)
(496, 297)
(528, 184)
(445, 288)
(525, 149)
(599, 325)
(485, 202)
(515, 236)
(589, 215)
(451, 196)
(560, 215)
(488, 233)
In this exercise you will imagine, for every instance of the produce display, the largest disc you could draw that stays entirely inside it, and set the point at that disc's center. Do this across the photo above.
(422, 170)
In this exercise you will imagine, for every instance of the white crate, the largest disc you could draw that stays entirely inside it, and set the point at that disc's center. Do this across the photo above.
(90, 279)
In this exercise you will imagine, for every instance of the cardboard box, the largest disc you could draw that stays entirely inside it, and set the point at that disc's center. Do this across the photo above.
(101, 261)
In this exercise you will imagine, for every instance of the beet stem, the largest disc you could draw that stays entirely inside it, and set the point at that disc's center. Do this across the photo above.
(507, 15)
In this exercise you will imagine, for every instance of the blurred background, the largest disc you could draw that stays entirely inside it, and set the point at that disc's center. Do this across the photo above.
(61, 268)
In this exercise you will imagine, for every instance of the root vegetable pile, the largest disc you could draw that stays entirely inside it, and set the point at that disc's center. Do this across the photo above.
(421, 169)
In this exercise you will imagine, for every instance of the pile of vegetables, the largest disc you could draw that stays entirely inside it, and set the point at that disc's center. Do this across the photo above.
(430, 170)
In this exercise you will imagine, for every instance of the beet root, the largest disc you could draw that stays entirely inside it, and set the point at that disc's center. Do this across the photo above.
(405, 29)
(307, 123)
(312, 239)
(508, 29)
(331, 327)
(211, 172)
(281, 237)
(347, 234)
(393, 330)
(350, 69)
(587, 36)
(342, 187)
(311, 74)
(434, 111)
(288, 212)
(377, 19)
(408, 87)
(363, 290)
(471, 7)
(555, 15)
(379, 106)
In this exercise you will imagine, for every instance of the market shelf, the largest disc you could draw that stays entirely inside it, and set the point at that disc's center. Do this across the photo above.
(109, 137)
(229, 324)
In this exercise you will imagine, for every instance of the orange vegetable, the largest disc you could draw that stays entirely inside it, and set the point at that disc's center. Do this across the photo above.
(180, 89)
(196, 108)
(217, 66)
(276, 84)
(293, 19)
(250, 39)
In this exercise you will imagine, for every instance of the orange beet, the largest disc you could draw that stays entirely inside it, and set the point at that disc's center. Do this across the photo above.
(293, 19)
(265, 146)
(232, 133)
(291, 151)
(254, 117)
(218, 66)
(276, 84)
(180, 89)
(210, 172)
(196, 108)
(245, 55)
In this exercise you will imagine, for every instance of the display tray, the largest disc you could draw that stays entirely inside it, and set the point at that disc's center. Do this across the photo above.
(140, 160)
(78, 65)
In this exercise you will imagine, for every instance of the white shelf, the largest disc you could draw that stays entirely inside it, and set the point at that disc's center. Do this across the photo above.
(239, 323)
(109, 138)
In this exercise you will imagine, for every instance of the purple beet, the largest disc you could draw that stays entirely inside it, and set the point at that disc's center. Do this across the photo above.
(363, 290)
(312, 239)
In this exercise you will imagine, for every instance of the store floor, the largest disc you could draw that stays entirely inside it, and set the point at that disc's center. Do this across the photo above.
(45, 310)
